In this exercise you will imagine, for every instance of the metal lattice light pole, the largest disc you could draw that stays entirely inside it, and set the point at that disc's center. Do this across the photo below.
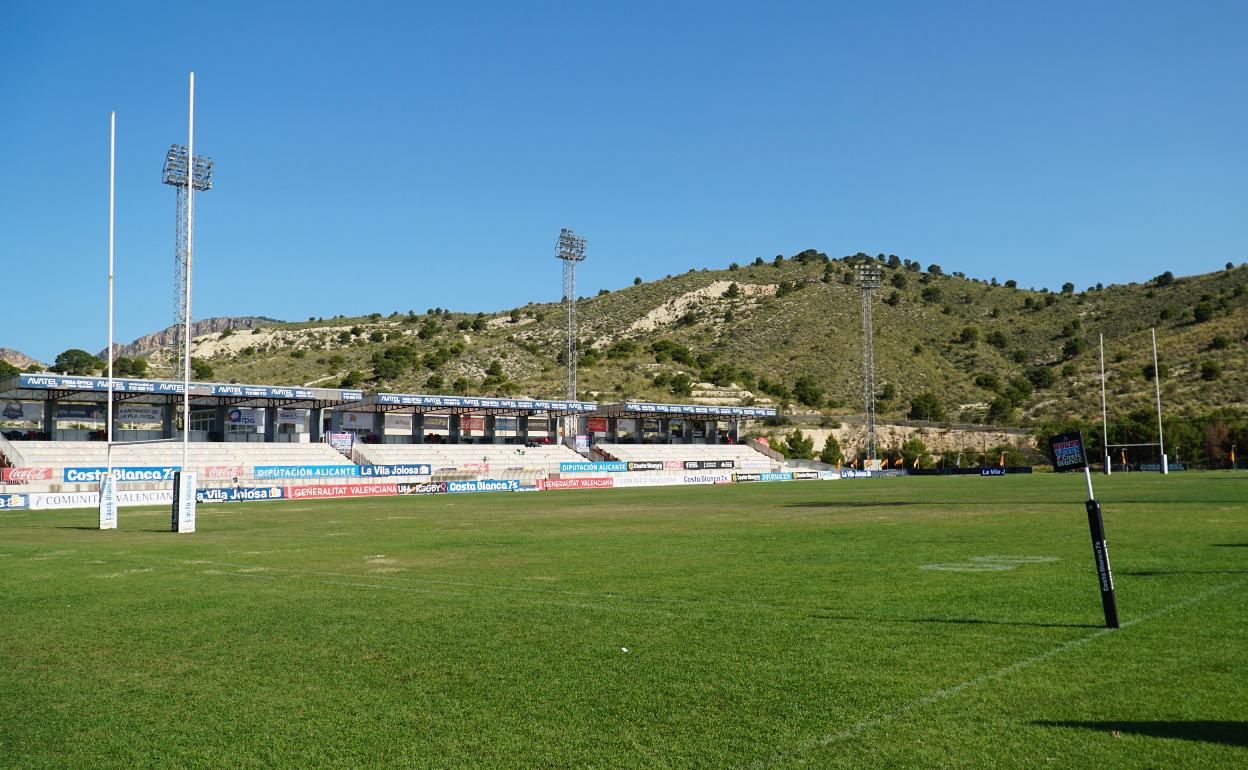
(175, 175)
(571, 249)
(868, 282)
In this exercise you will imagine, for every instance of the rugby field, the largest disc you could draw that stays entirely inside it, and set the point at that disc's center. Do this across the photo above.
(925, 622)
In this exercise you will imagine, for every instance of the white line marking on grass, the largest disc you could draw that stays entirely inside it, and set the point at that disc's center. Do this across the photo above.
(126, 572)
(701, 602)
(949, 692)
(644, 601)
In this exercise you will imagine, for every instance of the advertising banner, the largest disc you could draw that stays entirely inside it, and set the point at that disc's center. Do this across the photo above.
(92, 475)
(733, 411)
(742, 478)
(756, 464)
(415, 469)
(400, 422)
(537, 424)
(587, 467)
(484, 485)
(427, 488)
(21, 412)
(357, 420)
(829, 476)
(14, 502)
(805, 475)
(108, 502)
(56, 500)
(473, 422)
(706, 478)
(342, 441)
(646, 465)
(219, 472)
(291, 417)
(505, 423)
(590, 483)
(306, 471)
(182, 515)
(596, 424)
(775, 477)
(698, 465)
(648, 480)
(341, 490)
(241, 416)
(582, 444)
(238, 494)
(650, 427)
(992, 471)
(22, 475)
(80, 412)
(437, 422)
(100, 384)
(140, 413)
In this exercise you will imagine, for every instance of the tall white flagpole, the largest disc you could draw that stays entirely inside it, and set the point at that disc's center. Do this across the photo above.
(186, 334)
(1161, 439)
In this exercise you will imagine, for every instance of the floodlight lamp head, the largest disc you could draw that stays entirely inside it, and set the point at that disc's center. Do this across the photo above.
(175, 169)
(869, 276)
(571, 246)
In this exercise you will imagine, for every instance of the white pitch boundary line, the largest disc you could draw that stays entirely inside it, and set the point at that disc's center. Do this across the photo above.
(949, 692)
(638, 599)
(443, 593)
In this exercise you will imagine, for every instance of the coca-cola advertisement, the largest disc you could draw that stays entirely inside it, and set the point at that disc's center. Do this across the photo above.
(22, 475)
(222, 471)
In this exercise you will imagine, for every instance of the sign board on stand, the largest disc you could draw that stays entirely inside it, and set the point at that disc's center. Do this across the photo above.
(108, 501)
(183, 519)
(1067, 452)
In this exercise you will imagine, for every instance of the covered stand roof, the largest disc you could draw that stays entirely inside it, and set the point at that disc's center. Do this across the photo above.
(58, 387)
(634, 409)
(393, 402)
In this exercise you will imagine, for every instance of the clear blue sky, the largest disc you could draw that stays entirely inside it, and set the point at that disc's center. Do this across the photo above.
(380, 157)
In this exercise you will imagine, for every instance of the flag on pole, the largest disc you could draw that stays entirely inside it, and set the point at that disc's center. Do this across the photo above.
(1232, 455)
(1001, 462)
(1124, 457)
(838, 465)
(916, 463)
(884, 464)
(958, 463)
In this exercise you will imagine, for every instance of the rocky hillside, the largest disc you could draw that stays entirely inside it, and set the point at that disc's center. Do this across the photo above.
(150, 343)
(787, 331)
(18, 359)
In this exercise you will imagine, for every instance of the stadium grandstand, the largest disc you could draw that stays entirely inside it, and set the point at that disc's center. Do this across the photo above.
(53, 428)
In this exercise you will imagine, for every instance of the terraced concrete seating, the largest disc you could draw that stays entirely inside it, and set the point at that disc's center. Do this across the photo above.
(500, 461)
(202, 456)
(743, 456)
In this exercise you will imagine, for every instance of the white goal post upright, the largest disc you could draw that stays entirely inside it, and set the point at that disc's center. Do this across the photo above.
(1163, 463)
(1108, 469)
(108, 486)
(183, 513)
(1161, 439)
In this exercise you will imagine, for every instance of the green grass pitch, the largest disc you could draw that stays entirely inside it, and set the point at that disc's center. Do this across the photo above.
(924, 622)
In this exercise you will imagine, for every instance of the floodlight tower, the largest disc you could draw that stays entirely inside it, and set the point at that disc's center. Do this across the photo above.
(571, 249)
(175, 175)
(868, 282)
